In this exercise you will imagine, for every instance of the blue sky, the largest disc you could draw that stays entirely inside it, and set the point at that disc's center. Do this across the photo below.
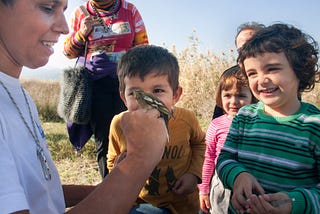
(171, 22)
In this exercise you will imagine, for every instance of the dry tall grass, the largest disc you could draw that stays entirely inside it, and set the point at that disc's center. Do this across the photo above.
(199, 76)
(46, 94)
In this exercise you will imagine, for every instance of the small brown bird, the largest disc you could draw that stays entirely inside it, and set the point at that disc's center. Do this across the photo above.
(149, 101)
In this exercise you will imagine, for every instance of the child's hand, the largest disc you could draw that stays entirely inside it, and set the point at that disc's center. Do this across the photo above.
(186, 184)
(270, 203)
(244, 186)
(204, 203)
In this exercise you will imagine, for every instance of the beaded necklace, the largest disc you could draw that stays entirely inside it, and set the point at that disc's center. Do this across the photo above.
(40, 153)
(114, 8)
(112, 13)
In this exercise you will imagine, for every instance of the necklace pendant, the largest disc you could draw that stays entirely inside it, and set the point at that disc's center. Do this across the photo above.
(98, 21)
(44, 163)
(102, 22)
(40, 153)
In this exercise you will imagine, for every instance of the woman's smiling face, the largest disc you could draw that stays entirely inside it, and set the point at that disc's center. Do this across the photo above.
(37, 26)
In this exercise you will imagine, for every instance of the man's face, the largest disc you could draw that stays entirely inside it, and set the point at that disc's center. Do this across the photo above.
(243, 37)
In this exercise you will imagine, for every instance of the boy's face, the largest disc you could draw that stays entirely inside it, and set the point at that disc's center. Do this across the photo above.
(273, 81)
(157, 85)
(233, 99)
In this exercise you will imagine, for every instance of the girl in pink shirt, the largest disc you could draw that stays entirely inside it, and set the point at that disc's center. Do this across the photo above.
(232, 93)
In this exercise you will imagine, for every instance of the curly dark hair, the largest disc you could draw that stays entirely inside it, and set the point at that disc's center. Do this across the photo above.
(300, 49)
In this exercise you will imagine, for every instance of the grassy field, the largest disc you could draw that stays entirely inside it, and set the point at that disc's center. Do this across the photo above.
(199, 76)
(74, 167)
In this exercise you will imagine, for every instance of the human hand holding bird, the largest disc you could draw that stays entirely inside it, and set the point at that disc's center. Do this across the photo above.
(149, 101)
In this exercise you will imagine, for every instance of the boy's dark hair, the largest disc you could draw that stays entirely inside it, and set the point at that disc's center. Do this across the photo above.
(142, 60)
(300, 49)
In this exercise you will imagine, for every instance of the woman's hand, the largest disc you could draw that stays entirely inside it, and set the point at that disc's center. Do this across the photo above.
(86, 25)
(146, 135)
(270, 204)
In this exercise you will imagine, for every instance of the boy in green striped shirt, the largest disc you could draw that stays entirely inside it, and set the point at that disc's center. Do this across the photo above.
(271, 158)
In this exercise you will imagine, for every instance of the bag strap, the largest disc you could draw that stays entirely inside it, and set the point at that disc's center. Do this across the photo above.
(84, 10)
(86, 13)
(85, 55)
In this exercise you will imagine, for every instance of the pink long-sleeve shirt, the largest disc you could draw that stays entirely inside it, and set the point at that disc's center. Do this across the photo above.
(215, 138)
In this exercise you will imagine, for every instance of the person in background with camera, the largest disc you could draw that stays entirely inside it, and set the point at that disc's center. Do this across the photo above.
(101, 31)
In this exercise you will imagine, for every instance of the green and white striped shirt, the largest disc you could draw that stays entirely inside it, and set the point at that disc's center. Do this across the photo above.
(282, 153)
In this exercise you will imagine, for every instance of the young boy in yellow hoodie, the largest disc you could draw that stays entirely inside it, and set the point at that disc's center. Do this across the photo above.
(172, 186)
